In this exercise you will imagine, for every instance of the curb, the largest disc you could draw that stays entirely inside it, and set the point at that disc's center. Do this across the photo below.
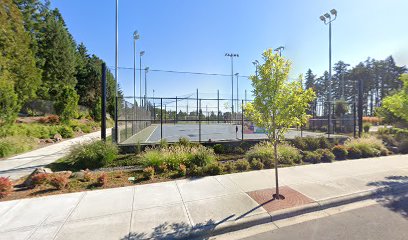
(214, 230)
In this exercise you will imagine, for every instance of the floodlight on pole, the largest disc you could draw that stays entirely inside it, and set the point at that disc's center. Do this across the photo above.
(327, 19)
(232, 55)
(116, 136)
(136, 37)
(256, 64)
(279, 49)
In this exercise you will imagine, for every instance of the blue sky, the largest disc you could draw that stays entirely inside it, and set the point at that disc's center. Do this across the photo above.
(194, 35)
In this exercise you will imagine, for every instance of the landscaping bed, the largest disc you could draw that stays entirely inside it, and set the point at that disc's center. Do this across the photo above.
(30, 133)
(183, 159)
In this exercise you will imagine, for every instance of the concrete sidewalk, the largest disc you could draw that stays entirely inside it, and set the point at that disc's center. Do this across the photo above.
(177, 208)
(23, 164)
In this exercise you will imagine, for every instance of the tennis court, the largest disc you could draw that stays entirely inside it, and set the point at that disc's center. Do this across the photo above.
(204, 133)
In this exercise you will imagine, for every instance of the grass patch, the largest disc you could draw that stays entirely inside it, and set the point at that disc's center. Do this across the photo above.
(15, 145)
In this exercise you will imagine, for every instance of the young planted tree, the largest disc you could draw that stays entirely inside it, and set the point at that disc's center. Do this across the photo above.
(279, 103)
(397, 104)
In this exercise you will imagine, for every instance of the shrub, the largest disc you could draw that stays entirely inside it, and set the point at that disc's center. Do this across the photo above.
(183, 141)
(195, 171)
(66, 104)
(340, 152)
(163, 143)
(256, 164)
(312, 157)
(93, 155)
(324, 143)
(403, 147)
(288, 155)
(354, 153)
(6, 186)
(310, 143)
(175, 155)
(366, 127)
(242, 165)
(229, 167)
(219, 148)
(268, 163)
(212, 169)
(66, 131)
(148, 172)
(59, 181)
(87, 175)
(326, 155)
(369, 146)
(15, 144)
(53, 119)
(38, 179)
(182, 170)
(102, 179)
(162, 168)
(261, 151)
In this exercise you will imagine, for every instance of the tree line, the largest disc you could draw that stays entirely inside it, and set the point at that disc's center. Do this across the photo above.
(381, 78)
(41, 60)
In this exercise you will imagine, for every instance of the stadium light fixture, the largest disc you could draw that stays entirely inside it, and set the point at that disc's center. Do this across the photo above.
(232, 55)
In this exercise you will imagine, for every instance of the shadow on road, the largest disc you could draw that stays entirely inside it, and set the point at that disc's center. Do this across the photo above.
(393, 194)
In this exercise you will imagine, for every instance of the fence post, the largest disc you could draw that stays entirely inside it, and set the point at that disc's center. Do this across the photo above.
(103, 120)
(354, 120)
(197, 102)
(218, 106)
(199, 124)
(154, 112)
(126, 120)
(242, 120)
(161, 119)
(175, 120)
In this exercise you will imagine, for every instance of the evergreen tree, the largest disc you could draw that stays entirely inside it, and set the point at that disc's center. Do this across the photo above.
(17, 60)
(58, 51)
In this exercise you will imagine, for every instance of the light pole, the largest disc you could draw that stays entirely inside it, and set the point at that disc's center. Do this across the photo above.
(280, 49)
(116, 137)
(140, 75)
(237, 74)
(232, 55)
(145, 96)
(326, 18)
(256, 64)
(135, 38)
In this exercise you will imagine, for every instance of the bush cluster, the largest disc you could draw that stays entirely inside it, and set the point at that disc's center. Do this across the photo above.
(6, 187)
(263, 151)
(325, 155)
(340, 152)
(369, 146)
(92, 155)
(311, 143)
(173, 156)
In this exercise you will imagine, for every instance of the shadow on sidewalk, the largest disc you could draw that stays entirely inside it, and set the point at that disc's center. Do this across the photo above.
(393, 194)
(177, 231)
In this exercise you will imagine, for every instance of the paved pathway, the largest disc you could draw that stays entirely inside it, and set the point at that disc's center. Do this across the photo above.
(169, 209)
(23, 164)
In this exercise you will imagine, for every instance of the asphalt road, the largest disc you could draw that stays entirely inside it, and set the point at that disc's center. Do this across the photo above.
(375, 222)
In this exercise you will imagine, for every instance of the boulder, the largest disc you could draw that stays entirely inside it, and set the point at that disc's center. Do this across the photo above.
(57, 137)
(28, 180)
